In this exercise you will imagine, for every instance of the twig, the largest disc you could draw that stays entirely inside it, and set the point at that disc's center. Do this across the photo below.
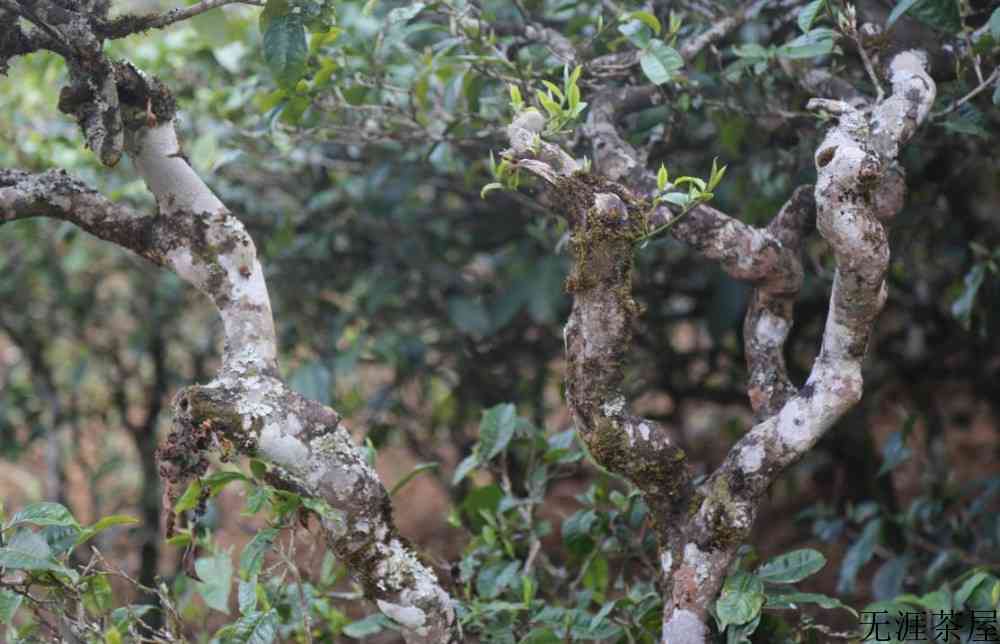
(127, 25)
(971, 95)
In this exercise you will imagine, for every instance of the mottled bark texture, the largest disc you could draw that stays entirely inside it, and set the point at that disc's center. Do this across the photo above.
(246, 409)
(859, 188)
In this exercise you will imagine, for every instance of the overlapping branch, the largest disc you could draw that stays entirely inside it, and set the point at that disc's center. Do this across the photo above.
(859, 188)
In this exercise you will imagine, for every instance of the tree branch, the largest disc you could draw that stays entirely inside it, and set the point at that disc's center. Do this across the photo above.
(246, 405)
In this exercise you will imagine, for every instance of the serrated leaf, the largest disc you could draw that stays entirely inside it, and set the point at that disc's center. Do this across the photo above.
(792, 566)
(252, 628)
(659, 62)
(808, 13)
(216, 578)
(9, 603)
(246, 596)
(285, 48)
(404, 14)
(42, 514)
(496, 429)
(252, 557)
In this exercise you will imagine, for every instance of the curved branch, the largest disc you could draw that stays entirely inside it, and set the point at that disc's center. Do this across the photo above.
(246, 406)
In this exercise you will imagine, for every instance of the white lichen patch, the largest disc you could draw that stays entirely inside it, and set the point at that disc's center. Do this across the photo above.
(771, 329)
(282, 448)
(614, 407)
(697, 561)
(752, 457)
(684, 627)
(182, 263)
(666, 561)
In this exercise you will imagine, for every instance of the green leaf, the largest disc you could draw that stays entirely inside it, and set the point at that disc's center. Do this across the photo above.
(469, 315)
(103, 524)
(969, 587)
(994, 26)
(967, 123)
(541, 636)
(596, 577)
(659, 62)
(943, 15)
(246, 595)
(252, 557)
(576, 531)
(793, 600)
(112, 636)
(808, 13)
(190, 497)
(489, 187)
(647, 19)
(468, 464)
(272, 9)
(420, 468)
(516, 102)
(818, 42)
(792, 566)
(98, 596)
(662, 178)
(27, 550)
(888, 579)
(219, 480)
(550, 105)
(9, 603)
(371, 625)
(741, 599)
(405, 14)
(860, 553)
(253, 628)
(961, 308)
(216, 578)
(43, 513)
(285, 48)
(901, 7)
(894, 452)
(496, 429)
(494, 578)
(637, 33)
